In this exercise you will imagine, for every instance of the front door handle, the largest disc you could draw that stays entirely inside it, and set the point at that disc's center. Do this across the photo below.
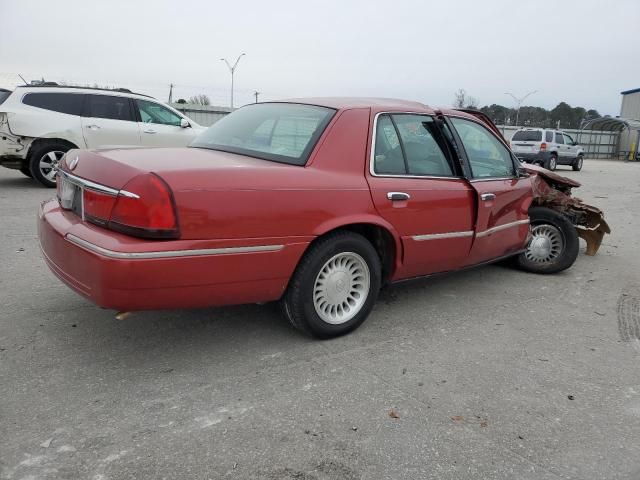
(486, 197)
(149, 131)
(398, 196)
(93, 127)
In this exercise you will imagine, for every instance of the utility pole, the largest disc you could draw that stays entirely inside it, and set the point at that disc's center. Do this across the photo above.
(232, 70)
(255, 94)
(170, 92)
(519, 102)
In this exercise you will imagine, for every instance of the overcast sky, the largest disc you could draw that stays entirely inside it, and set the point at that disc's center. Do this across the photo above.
(583, 52)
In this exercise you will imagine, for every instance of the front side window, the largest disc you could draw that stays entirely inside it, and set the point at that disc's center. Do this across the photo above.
(568, 140)
(410, 144)
(280, 132)
(488, 157)
(559, 138)
(151, 112)
(109, 107)
(548, 136)
(69, 103)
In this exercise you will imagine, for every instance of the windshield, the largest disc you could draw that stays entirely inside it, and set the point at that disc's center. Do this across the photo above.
(528, 135)
(4, 94)
(280, 132)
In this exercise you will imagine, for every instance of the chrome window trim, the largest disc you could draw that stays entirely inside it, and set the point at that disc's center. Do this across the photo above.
(501, 227)
(169, 253)
(439, 236)
(373, 150)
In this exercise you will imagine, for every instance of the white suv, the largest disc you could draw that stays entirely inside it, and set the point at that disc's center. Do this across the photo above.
(38, 124)
(548, 148)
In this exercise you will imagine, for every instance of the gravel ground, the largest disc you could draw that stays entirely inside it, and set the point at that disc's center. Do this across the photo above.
(488, 373)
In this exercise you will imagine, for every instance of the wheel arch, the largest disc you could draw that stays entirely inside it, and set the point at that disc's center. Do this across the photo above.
(38, 142)
(377, 231)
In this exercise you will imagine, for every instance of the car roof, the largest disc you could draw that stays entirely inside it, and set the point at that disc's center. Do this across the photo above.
(344, 103)
(377, 104)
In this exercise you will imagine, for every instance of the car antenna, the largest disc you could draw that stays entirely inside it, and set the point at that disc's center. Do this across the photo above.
(25, 82)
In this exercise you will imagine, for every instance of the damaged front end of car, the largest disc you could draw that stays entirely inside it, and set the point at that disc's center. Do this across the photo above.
(554, 191)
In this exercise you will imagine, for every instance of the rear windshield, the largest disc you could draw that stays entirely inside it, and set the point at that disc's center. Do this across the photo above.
(528, 135)
(4, 94)
(280, 132)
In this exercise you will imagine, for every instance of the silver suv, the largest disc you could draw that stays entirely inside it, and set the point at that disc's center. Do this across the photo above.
(548, 148)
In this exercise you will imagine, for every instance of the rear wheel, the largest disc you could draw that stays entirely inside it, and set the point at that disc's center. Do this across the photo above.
(552, 163)
(335, 286)
(577, 163)
(554, 243)
(44, 162)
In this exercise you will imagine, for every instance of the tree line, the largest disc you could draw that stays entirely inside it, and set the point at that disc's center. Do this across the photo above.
(562, 114)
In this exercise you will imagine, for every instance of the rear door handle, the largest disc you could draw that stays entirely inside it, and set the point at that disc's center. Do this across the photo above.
(398, 196)
(93, 127)
(486, 197)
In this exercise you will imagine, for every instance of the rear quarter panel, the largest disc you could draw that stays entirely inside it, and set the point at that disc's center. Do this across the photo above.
(282, 200)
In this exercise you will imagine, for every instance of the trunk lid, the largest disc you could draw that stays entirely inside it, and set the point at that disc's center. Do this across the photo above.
(181, 168)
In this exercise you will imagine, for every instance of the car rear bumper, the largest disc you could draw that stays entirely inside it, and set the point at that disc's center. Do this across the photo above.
(540, 157)
(119, 272)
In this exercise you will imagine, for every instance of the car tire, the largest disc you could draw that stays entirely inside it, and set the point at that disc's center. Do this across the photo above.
(44, 159)
(554, 243)
(334, 287)
(577, 163)
(552, 163)
(26, 171)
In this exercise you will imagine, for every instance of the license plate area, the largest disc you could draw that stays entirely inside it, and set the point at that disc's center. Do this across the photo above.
(70, 195)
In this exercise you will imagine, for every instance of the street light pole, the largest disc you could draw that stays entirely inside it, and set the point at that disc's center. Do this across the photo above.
(519, 102)
(232, 69)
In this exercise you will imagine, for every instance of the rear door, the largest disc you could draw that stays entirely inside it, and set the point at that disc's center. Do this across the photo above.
(502, 197)
(108, 120)
(572, 150)
(160, 127)
(418, 188)
(563, 152)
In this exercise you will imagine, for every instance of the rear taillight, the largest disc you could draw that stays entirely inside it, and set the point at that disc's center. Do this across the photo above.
(145, 208)
(543, 146)
(97, 206)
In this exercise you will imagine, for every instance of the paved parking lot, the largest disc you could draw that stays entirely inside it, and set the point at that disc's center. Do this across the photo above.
(491, 373)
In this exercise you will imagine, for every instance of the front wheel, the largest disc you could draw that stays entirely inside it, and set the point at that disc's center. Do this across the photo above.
(335, 286)
(554, 243)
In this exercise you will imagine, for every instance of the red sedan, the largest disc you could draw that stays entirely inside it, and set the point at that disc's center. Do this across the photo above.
(317, 203)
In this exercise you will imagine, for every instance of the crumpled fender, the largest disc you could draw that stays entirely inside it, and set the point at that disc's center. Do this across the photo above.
(554, 191)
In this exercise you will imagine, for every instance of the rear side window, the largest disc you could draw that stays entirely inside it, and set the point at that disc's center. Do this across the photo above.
(528, 136)
(109, 107)
(548, 136)
(559, 138)
(70, 103)
(410, 144)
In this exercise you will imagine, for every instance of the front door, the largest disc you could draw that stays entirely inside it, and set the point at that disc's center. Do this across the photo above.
(160, 127)
(108, 120)
(502, 196)
(418, 188)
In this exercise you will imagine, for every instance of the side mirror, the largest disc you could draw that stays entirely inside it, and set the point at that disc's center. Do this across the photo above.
(184, 123)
